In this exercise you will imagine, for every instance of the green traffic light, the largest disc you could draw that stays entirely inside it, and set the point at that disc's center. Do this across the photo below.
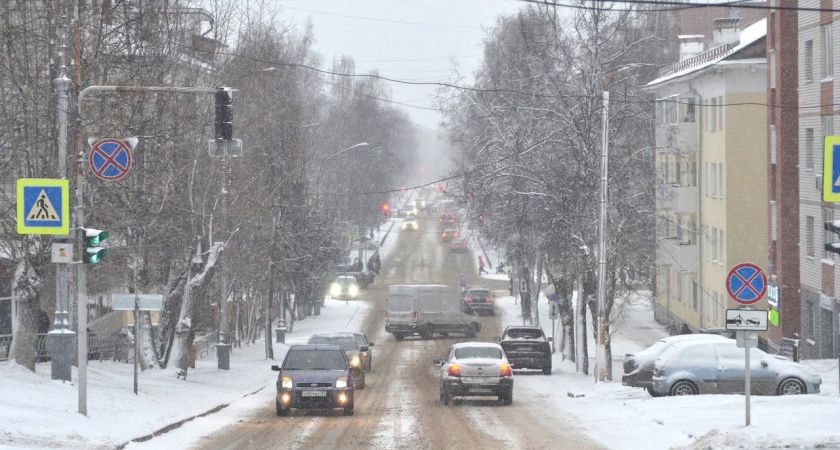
(95, 254)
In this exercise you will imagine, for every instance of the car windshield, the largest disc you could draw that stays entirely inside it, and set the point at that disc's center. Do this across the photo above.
(478, 293)
(478, 352)
(345, 342)
(360, 339)
(315, 360)
(345, 280)
(524, 334)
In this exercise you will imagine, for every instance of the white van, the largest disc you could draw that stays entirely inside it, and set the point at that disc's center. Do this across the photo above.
(428, 309)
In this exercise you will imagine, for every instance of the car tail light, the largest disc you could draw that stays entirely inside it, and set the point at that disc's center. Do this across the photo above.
(506, 371)
(489, 299)
(455, 370)
(467, 299)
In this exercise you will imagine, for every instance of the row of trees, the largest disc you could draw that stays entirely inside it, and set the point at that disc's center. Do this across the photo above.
(275, 219)
(529, 134)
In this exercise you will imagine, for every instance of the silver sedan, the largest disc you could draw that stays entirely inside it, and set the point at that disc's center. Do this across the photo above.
(475, 369)
(714, 367)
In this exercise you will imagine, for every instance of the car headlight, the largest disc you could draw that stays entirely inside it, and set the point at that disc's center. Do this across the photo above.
(287, 383)
(403, 226)
(355, 361)
(341, 382)
(414, 225)
(353, 291)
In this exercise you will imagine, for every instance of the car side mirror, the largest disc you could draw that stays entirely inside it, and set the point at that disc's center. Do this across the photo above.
(275, 368)
(763, 363)
(364, 348)
(497, 339)
(548, 338)
(370, 344)
(439, 362)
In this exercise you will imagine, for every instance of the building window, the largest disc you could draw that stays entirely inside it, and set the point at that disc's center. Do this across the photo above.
(706, 180)
(827, 51)
(687, 110)
(808, 72)
(692, 174)
(694, 295)
(713, 179)
(714, 244)
(720, 113)
(707, 242)
(679, 286)
(713, 114)
(828, 236)
(720, 181)
(721, 251)
(809, 236)
(809, 148)
(827, 127)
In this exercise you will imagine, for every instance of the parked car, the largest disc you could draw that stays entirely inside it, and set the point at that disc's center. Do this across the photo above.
(480, 300)
(425, 310)
(458, 245)
(314, 377)
(638, 367)
(367, 356)
(475, 369)
(353, 350)
(527, 347)
(717, 367)
(345, 287)
(449, 234)
(447, 220)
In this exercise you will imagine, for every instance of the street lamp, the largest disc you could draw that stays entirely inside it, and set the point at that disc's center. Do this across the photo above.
(601, 356)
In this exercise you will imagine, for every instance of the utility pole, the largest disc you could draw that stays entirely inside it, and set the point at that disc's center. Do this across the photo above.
(81, 269)
(61, 338)
(602, 238)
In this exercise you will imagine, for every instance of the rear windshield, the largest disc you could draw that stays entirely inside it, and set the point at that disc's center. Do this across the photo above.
(478, 293)
(315, 360)
(400, 303)
(345, 342)
(478, 352)
(524, 334)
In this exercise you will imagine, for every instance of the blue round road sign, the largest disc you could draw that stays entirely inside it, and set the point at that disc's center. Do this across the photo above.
(110, 159)
(746, 283)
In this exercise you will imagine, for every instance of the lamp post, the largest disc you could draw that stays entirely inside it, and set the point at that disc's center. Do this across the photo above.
(601, 355)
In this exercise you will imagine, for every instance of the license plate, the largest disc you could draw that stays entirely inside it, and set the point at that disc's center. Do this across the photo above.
(313, 394)
(480, 391)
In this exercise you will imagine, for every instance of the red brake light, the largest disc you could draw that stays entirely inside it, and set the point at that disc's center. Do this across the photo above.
(455, 370)
(468, 299)
(506, 371)
(489, 299)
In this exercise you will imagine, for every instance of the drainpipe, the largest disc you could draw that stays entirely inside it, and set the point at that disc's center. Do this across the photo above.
(700, 179)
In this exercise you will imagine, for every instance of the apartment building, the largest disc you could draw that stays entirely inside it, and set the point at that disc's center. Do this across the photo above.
(818, 97)
(712, 161)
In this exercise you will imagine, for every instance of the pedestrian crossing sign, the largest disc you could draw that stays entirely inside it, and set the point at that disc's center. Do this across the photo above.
(43, 206)
(831, 170)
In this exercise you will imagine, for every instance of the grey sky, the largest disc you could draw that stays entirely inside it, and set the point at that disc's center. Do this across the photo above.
(413, 40)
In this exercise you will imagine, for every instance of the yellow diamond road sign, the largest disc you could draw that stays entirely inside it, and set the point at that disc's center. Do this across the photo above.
(43, 206)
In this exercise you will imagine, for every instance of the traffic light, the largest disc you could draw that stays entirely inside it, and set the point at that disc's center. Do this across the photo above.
(224, 113)
(833, 226)
(386, 209)
(94, 252)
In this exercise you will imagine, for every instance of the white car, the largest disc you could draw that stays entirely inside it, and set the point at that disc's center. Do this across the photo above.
(475, 369)
(344, 287)
(409, 223)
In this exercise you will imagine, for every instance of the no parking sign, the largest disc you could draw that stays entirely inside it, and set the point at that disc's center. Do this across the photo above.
(110, 159)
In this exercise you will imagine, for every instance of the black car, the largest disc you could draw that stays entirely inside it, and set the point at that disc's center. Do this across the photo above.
(314, 377)
(480, 300)
(352, 349)
(527, 347)
(367, 355)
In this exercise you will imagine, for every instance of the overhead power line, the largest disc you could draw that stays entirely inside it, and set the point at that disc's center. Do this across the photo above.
(371, 19)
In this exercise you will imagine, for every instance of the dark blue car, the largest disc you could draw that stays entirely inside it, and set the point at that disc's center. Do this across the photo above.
(314, 377)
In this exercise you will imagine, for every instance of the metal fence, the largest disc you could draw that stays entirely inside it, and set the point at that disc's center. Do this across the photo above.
(205, 344)
(100, 347)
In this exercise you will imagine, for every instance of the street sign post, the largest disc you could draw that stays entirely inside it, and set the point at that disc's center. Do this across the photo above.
(110, 159)
(746, 284)
(43, 206)
(137, 302)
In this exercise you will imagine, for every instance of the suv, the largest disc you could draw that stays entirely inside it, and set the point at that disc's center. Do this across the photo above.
(314, 377)
(352, 348)
(480, 300)
(527, 347)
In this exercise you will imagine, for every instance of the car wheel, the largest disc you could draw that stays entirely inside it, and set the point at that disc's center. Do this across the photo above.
(444, 396)
(280, 410)
(684, 387)
(445, 335)
(456, 402)
(348, 410)
(370, 364)
(547, 370)
(652, 392)
(399, 337)
(507, 399)
(791, 386)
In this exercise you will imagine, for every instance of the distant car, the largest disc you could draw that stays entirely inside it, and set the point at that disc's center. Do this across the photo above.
(458, 245)
(314, 377)
(717, 367)
(419, 204)
(352, 349)
(345, 287)
(527, 347)
(409, 224)
(449, 234)
(447, 220)
(638, 367)
(475, 369)
(480, 300)
(435, 207)
(367, 356)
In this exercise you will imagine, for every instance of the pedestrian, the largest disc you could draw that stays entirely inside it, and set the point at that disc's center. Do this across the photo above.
(377, 262)
(463, 285)
(481, 265)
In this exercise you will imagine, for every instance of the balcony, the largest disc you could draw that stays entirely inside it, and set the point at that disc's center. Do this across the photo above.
(681, 257)
(677, 138)
(680, 199)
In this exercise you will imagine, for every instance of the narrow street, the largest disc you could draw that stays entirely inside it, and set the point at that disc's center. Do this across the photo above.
(400, 409)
